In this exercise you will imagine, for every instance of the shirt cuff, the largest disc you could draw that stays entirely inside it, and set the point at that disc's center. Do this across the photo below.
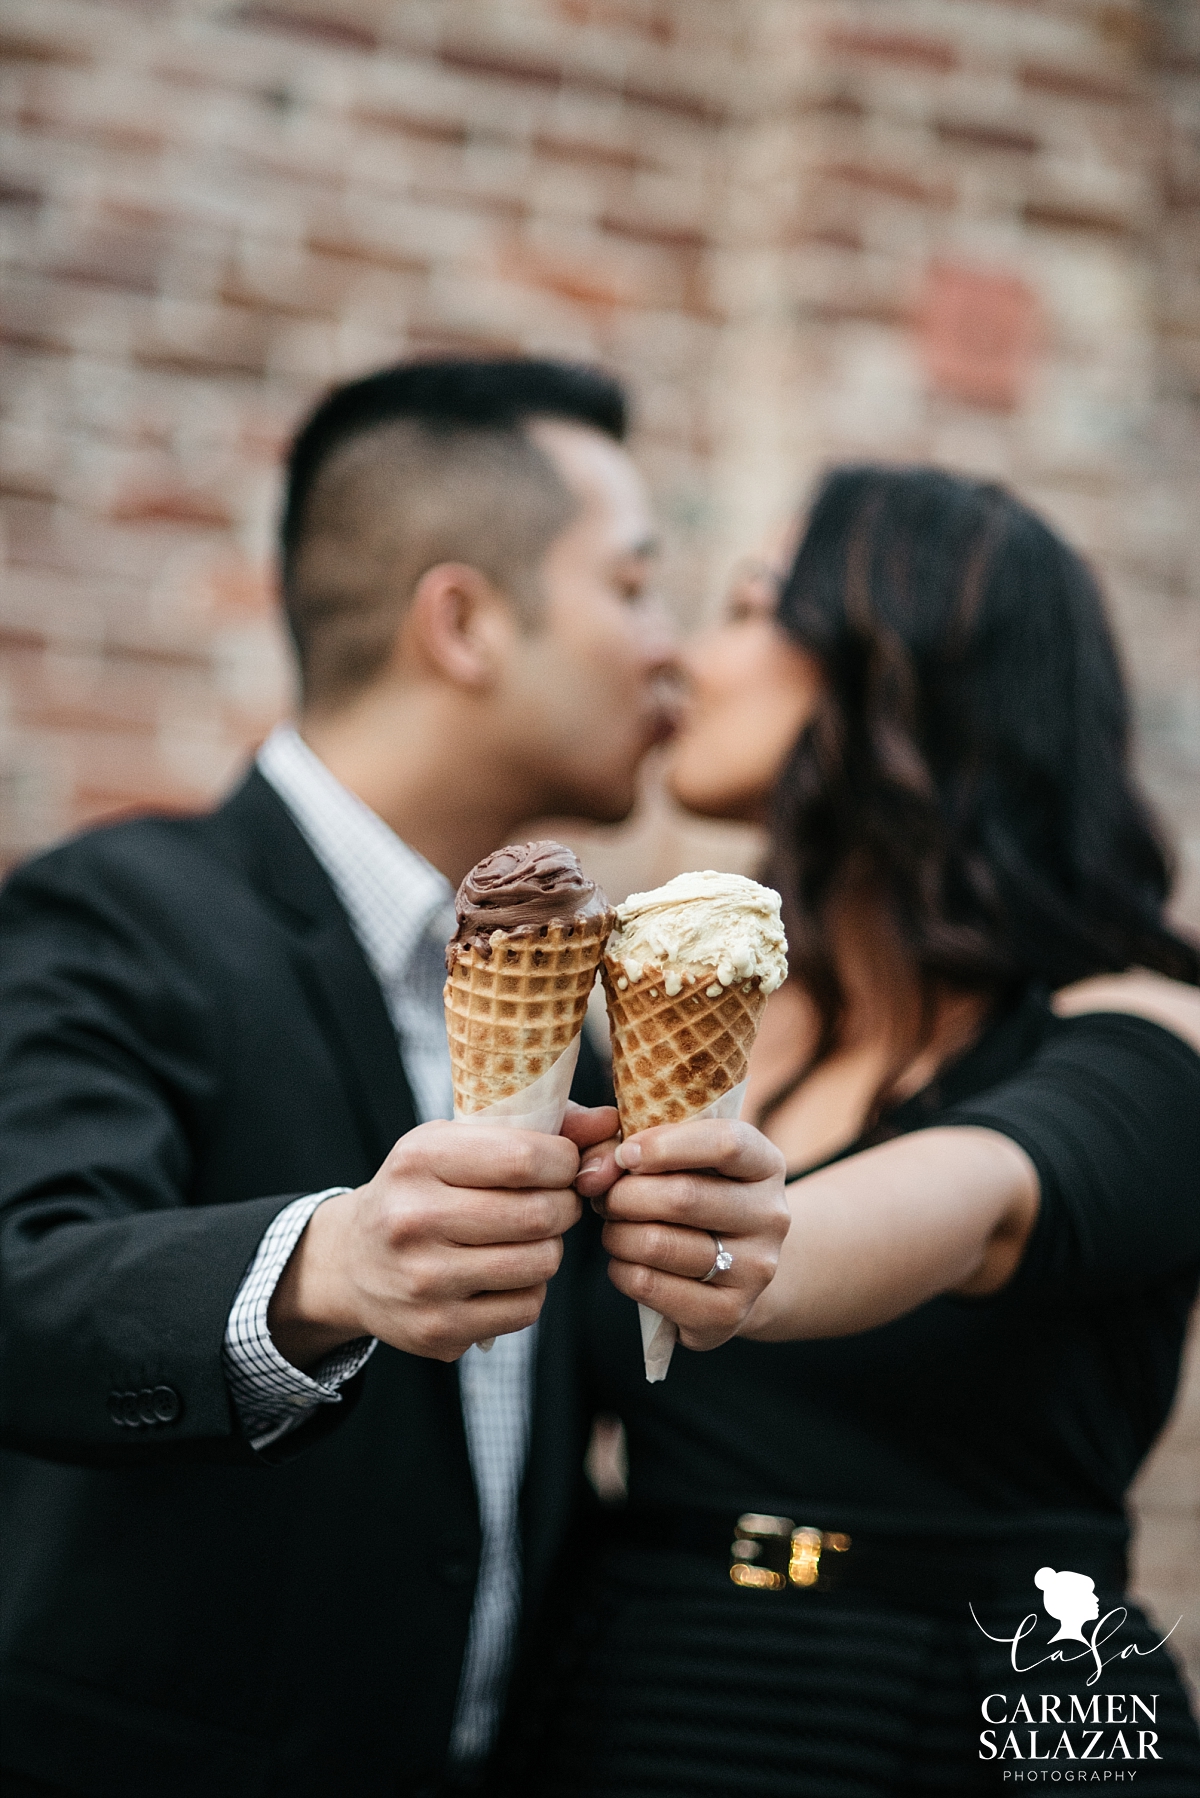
(270, 1395)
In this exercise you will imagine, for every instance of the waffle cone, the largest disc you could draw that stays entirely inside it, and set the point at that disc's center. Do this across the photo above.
(673, 1057)
(511, 1013)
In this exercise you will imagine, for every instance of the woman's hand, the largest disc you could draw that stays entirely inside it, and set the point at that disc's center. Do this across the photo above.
(665, 1193)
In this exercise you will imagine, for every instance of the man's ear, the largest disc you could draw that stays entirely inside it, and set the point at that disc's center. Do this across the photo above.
(458, 625)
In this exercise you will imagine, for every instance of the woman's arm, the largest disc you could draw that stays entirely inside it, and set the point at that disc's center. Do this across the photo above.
(943, 1210)
(1110, 1116)
(951, 1209)
(1142, 995)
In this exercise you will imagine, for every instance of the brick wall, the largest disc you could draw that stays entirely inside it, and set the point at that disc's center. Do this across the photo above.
(966, 230)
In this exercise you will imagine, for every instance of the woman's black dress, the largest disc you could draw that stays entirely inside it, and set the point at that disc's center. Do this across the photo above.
(1007, 1429)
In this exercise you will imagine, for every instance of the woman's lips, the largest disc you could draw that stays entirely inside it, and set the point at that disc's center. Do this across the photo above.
(669, 706)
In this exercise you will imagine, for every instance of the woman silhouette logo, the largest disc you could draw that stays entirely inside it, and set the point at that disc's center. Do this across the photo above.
(1070, 1598)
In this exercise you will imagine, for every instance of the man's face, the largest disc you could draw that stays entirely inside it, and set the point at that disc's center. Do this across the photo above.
(590, 680)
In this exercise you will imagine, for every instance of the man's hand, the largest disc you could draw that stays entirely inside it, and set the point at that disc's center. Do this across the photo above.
(665, 1193)
(454, 1240)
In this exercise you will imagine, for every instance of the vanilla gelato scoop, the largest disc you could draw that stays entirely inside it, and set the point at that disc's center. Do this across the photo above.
(698, 924)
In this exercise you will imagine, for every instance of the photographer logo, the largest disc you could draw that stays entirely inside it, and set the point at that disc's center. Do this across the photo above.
(1070, 1729)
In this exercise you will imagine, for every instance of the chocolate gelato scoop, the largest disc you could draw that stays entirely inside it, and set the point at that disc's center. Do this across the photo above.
(521, 888)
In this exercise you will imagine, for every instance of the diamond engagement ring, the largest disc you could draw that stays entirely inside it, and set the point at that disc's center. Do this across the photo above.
(721, 1265)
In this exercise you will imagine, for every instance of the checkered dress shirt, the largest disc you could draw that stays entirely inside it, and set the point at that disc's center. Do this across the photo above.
(402, 912)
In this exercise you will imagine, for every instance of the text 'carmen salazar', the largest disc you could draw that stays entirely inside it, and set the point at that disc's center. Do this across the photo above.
(1107, 1726)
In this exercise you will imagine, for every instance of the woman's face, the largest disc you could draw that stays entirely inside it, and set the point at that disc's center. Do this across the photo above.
(751, 690)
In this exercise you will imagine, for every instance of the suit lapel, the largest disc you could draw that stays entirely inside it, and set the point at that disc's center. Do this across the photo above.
(341, 989)
(346, 997)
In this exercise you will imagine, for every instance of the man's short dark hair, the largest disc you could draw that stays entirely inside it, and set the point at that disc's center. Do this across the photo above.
(421, 463)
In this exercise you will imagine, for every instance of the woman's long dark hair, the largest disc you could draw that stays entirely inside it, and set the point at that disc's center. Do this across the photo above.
(969, 761)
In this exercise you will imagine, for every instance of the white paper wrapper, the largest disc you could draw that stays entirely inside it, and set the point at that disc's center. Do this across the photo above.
(659, 1334)
(542, 1106)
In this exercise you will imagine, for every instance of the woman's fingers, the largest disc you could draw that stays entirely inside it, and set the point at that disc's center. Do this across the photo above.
(666, 1193)
(724, 1145)
(706, 1316)
(661, 1225)
(688, 1253)
(701, 1201)
(713, 1145)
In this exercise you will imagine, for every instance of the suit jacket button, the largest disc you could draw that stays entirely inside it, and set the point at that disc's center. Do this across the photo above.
(166, 1404)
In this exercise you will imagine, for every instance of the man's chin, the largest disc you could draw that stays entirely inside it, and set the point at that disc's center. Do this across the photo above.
(609, 808)
(722, 808)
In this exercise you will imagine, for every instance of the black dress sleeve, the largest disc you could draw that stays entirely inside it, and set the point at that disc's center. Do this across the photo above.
(1108, 1111)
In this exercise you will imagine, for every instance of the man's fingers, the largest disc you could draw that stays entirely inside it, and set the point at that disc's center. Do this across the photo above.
(598, 1170)
(725, 1145)
(446, 1332)
(484, 1155)
(586, 1125)
(480, 1218)
(472, 1273)
(499, 1314)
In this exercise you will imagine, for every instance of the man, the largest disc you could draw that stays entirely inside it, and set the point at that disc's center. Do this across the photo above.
(264, 1537)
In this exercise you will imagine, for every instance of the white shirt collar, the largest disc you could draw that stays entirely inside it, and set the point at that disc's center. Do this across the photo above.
(393, 896)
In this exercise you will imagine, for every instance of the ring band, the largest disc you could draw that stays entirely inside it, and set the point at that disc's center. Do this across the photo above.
(721, 1265)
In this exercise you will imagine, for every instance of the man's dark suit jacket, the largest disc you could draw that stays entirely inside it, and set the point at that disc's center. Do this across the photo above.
(189, 1038)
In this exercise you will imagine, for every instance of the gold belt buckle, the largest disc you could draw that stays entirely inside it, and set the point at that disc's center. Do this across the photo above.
(770, 1553)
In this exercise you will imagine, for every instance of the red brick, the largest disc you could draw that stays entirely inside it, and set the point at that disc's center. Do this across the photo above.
(904, 49)
(890, 182)
(980, 332)
(170, 503)
(1063, 216)
(658, 24)
(551, 76)
(314, 24)
(112, 255)
(408, 124)
(1077, 84)
(20, 44)
(970, 134)
(204, 340)
(586, 153)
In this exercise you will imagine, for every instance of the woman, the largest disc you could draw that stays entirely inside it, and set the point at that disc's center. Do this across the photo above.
(975, 1330)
